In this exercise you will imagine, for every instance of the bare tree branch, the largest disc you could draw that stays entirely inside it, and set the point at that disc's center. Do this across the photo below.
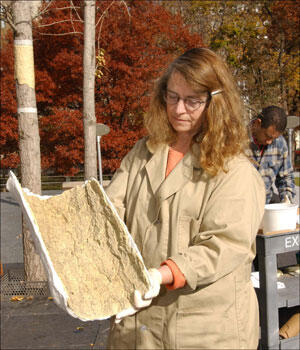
(10, 22)
(53, 23)
(61, 34)
(6, 13)
(75, 9)
(126, 6)
(101, 18)
(103, 14)
(65, 8)
(6, 6)
(45, 10)
(251, 108)
(71, 18)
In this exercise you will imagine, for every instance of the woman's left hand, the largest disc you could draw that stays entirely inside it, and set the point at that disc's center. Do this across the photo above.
(140, 301)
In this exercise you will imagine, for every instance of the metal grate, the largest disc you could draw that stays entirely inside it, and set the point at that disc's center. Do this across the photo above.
(13, 283)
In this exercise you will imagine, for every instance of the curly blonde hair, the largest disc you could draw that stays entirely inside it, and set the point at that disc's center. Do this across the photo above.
(223, 132)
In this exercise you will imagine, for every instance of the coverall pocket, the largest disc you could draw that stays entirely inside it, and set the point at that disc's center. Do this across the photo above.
(187, 229)
(203, 330)
(122, 335)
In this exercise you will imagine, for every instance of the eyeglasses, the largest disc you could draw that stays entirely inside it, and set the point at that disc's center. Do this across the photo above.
(191, 104)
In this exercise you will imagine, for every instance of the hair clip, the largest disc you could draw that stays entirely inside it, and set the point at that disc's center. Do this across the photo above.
(216, 92)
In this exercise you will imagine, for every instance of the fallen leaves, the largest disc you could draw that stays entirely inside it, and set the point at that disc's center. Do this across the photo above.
(16, 298)
(78, 329)
(20, 298)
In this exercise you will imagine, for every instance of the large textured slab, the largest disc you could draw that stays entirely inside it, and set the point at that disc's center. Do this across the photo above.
(92, 262)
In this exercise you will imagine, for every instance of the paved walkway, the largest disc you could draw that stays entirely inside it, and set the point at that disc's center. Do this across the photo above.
(39, 324)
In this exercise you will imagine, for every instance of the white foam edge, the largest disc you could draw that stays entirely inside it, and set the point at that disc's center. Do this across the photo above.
(55, 284)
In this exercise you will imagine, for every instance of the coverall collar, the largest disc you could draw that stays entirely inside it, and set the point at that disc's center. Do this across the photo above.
(164, 187)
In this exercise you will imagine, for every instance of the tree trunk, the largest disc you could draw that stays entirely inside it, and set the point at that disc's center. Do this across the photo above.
(281, 73)
(29, 139)
(89, 118)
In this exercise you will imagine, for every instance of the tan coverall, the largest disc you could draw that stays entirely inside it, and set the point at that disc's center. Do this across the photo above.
(207, 226)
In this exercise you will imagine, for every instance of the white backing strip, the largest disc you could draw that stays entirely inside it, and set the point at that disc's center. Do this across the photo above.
(24, 42)
(27, 110)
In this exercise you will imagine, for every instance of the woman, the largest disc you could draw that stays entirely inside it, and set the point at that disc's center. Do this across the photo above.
(193, 204)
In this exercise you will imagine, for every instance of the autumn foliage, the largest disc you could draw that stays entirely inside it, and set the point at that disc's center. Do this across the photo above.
(260, 42)
(137, 41)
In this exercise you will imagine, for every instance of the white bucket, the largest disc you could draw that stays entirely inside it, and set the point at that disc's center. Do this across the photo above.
(279, 216)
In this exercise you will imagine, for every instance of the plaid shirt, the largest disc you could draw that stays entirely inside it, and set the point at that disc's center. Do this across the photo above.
(274, 166)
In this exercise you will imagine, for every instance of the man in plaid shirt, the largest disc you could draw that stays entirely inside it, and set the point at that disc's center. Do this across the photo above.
(269, 153)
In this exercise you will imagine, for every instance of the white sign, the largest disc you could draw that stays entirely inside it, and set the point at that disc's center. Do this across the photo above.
(292, 241)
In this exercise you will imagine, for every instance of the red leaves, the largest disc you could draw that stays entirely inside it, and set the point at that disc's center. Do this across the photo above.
(116, 145)
(62, 149)
(137, 48)
(285, 18)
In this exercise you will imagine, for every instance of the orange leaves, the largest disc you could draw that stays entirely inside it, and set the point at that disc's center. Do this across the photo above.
(21, 298)
(17, 298)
